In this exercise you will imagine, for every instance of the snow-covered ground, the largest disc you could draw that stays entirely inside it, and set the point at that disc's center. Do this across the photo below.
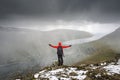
(112, 69)
(62, 74)
(69, 73)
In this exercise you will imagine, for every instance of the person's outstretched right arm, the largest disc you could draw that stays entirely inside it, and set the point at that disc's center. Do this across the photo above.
(53, 46)
(66, 46)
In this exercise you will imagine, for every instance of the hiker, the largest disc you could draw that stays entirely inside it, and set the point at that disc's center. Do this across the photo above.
(60, 53)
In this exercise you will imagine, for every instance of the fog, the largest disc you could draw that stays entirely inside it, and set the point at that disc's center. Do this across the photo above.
(24, 48)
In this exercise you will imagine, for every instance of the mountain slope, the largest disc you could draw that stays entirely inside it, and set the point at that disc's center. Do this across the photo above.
(110, 41)
(113, 40)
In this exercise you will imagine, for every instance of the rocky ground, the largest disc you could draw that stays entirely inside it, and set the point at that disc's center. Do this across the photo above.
(108, 70)
(97, 69)
(105, 67)
(101, 71)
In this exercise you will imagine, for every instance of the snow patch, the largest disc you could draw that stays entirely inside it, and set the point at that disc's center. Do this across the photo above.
(62, 74)
(118, 62)
(98, 75)
(113, 68)
(17, 79)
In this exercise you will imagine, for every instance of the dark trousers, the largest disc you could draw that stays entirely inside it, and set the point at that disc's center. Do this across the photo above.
(60, 60)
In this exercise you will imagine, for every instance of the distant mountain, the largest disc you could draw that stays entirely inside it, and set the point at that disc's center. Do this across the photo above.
(52, 36)
(110, 42)
(112, 36)
(13, 29)
(8, 28)
(65, 35)
(113, 40)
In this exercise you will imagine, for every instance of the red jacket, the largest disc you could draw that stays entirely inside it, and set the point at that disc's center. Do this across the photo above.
(60, 44)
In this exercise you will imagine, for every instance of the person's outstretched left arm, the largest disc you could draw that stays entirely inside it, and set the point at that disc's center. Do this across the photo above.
(53, 46)
(66, 46)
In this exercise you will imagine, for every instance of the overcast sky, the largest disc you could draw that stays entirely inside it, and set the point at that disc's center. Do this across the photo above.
(49, 14)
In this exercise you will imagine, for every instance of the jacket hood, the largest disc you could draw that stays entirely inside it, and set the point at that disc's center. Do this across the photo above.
(59, 43)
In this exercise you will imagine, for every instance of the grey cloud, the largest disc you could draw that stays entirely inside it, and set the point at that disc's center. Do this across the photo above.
(101, 10)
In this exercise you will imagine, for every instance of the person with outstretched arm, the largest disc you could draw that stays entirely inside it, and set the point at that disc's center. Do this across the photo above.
(60, 52)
